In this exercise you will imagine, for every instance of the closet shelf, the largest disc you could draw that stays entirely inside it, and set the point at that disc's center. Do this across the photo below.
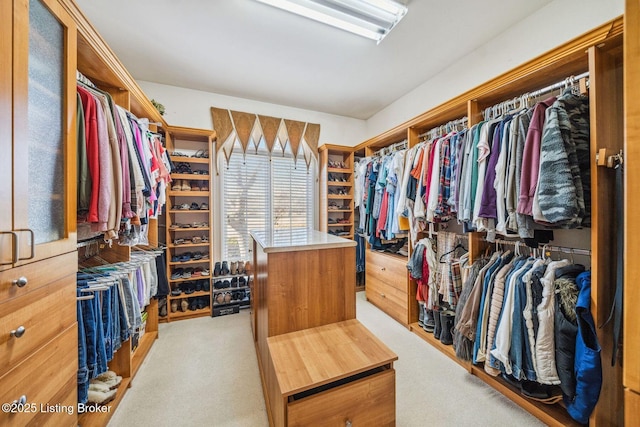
(188, 193)
(188, 211)
(189, 229)
(189, 245)
(552, 415)
(190, 176)
(339, 184)
(180, 159)
(229, 276)
(215, 304)
(338, 210)
(191, 295)
(197, 261)
(340, 196)
(339, 170)
(348, 224)
(190, 313)
(98, 419)
(217, 291)
(190, 279)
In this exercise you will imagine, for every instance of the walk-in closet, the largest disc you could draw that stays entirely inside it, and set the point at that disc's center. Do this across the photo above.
(319, 213)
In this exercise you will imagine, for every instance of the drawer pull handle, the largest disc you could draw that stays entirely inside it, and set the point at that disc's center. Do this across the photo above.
(383, 268)
(20, 282)
(18, 332)
(347, 424)
(382, 295)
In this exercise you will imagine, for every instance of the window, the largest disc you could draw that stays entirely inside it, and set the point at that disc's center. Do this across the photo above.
(261, 192)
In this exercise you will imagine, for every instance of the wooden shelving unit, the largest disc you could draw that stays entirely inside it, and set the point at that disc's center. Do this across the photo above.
(336, 175)
(191, 144)
(600, 53)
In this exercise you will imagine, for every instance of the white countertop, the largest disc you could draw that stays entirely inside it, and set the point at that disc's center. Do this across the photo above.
(297, 239)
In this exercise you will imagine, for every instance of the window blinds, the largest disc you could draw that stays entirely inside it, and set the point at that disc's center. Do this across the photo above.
(259, 193)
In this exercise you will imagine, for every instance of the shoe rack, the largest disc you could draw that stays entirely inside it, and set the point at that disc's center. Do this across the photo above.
(188, 223)
(230, 287)
(337, 190)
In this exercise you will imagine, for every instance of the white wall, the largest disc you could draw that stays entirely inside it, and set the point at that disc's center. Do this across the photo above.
(191, 108)
(551, 26)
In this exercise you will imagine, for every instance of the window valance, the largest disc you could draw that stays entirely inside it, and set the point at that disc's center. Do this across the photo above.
(249, 129)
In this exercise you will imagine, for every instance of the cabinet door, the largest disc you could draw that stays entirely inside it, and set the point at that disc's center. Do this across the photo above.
(44, 100)
(6, 50)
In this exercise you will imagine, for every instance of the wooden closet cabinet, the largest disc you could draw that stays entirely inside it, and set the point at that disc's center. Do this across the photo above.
(38, 332)
(600, 53)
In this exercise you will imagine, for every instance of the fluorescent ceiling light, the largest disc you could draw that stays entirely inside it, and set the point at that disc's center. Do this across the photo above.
(373, 19)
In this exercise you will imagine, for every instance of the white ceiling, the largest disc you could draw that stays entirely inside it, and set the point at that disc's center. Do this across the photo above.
(246, 49)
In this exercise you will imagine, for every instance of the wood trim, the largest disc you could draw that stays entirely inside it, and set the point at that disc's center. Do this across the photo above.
(180, 132)
(335, 147)
(631, 408)
(606, 132)
(6, 118)
(551, 415)
(631, 350)
(88, 37)
(511, 81)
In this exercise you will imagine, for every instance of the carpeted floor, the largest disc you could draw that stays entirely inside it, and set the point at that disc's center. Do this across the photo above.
(204, 372)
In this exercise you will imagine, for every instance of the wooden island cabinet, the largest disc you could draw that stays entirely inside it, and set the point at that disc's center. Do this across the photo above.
(303, 303)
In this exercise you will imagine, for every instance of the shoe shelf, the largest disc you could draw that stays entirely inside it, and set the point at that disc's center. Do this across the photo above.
(217, 291)
(338, 210)
(344, 224)
(188, 279)
(229, 276)
(339, 184)
(339, 170)
(340, 196)
(190, 147)
(196, 261)
(190, 229)
(177, 193)
(190, 245)
(191, 313)
(181, 159)
(191, 295)
(188, 211)
(191, 176)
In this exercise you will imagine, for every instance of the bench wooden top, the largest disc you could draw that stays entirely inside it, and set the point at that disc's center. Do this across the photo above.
(313, 357)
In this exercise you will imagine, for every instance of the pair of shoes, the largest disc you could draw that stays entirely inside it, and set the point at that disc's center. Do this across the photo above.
(109, 379)
(181, 185)
(99, 396)
(202, 154)
(225, 268)
(184, 168)
(199, 185)
(162, 307)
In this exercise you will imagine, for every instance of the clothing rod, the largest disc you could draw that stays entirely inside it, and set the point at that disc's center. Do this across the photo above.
(563, 249)
(89, 242)
(391, 148)
(559, 84)
(84, 298)
(460, 121)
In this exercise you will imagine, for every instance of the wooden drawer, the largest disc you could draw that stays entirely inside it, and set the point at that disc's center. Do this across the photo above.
(387, 298)
(369, 401)
(44, 378)
(387, 268)
(44, 313)
(38, 274)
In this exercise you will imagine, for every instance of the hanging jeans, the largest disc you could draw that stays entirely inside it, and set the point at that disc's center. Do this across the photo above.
(83, 370)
